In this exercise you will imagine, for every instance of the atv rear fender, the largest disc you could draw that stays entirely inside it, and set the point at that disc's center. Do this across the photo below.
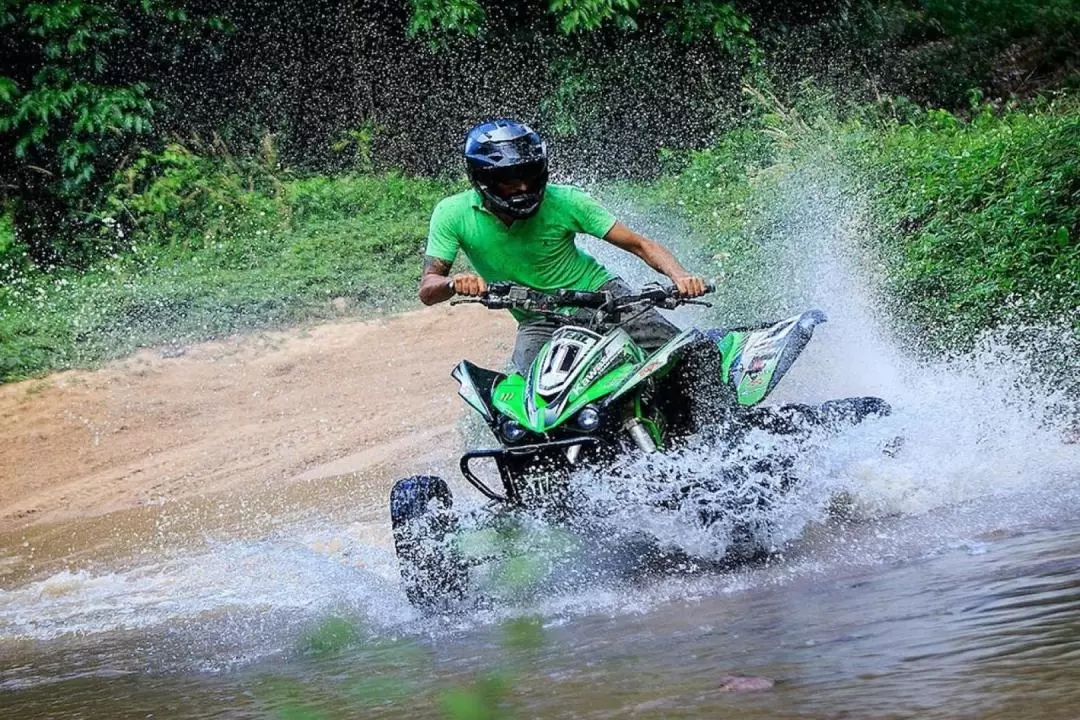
(756, 358)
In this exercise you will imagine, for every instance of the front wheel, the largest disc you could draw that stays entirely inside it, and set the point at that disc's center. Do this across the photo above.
(433, 572)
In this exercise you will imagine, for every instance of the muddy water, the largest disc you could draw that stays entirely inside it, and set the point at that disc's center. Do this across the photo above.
(965, 610)
(954, 591)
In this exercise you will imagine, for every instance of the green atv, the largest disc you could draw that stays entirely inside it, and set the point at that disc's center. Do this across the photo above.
(591, 399)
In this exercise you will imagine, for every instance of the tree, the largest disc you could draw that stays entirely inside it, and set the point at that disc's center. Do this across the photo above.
(73, 98)
(689, 20)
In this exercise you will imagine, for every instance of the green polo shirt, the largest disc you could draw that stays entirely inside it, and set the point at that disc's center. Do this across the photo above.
(539, 252)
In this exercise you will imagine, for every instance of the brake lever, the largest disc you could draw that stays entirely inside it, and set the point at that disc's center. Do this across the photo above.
(672, 303)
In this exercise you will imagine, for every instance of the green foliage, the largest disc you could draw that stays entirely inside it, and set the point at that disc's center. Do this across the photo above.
(1011, 18)
(975, 223)
(67, 107)
(982, 216)
(355, 145)
(7, 234)
(87, 85)
(574, 101)
(211, 246)
(720, 21)
(1003, 46)
(688, 21)
(446, 16)
(214, 203)
(589, 15)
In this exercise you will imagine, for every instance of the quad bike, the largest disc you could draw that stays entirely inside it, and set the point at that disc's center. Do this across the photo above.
(593, 398)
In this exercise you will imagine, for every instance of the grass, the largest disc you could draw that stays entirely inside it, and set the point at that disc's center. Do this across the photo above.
(317, 248)
(981, 216)
(972, 223)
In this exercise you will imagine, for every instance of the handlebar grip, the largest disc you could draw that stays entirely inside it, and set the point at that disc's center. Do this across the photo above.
(657, 293)
(499, 289)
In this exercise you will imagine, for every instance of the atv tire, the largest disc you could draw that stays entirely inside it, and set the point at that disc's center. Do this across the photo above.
(433, 572)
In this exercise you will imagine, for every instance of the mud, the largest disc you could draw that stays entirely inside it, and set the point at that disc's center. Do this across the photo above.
(248, 417)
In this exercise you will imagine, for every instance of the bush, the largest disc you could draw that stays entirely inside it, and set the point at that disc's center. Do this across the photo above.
(185, 201)
(981, 218)
(976, 221)
(11, 252)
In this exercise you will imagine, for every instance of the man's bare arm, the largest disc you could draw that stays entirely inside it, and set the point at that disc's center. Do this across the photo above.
(435, 282)
(656, 256)
(436, 286)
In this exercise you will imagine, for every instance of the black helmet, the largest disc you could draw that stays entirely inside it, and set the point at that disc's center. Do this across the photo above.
(505, 151)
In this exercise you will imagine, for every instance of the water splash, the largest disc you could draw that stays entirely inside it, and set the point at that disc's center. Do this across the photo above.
(246, 590)
(987, 422)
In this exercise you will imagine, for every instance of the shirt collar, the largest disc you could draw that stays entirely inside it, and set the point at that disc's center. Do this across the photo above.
(477, 202)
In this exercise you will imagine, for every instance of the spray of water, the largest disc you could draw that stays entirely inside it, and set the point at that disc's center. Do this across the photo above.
(965, 426)
(988, 421)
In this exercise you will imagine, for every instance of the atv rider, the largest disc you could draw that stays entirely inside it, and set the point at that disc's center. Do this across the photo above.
(516, 227)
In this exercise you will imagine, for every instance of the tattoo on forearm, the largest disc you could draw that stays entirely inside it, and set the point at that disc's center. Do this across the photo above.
(436, 266)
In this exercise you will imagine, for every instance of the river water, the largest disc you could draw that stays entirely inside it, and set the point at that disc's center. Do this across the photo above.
(970, 610)
(951, 590)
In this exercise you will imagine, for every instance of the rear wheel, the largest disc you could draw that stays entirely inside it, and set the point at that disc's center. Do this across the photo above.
(852, 410)
(433, 572)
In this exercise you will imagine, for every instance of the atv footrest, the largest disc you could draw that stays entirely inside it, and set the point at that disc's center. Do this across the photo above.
(519, 450)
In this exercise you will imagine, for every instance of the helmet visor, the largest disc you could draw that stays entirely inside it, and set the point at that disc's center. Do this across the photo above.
(520, 179)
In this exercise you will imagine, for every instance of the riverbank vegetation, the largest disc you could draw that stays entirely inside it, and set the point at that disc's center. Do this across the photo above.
(971, 219)
(201, 247)
(258, 164)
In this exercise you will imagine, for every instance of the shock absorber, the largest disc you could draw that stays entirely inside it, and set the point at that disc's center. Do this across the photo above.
(640, 435)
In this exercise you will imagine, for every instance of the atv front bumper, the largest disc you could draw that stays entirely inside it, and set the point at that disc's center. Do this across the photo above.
(558, 450)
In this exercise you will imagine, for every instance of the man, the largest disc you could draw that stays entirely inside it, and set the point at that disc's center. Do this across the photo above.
(514, 226)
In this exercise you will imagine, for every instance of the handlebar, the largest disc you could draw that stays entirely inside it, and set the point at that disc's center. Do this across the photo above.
(507, 296)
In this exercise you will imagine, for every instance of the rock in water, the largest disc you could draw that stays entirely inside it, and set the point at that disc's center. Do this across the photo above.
(745, 683)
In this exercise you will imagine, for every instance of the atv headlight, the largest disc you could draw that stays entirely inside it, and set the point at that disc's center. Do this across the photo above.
(512, 431)
(588, 419)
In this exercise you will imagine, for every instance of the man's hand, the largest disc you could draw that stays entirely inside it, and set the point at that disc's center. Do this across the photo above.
(689, 286)
(468, 284)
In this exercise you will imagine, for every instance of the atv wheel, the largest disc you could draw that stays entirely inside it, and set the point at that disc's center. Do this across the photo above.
(852, 411)
(432, 570)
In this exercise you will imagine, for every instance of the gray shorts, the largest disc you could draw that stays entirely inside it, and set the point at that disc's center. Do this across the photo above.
(650, 330)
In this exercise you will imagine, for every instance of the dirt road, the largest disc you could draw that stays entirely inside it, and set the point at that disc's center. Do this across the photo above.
(245, 416)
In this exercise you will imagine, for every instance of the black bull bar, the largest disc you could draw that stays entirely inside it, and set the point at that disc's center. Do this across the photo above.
(500, 455)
